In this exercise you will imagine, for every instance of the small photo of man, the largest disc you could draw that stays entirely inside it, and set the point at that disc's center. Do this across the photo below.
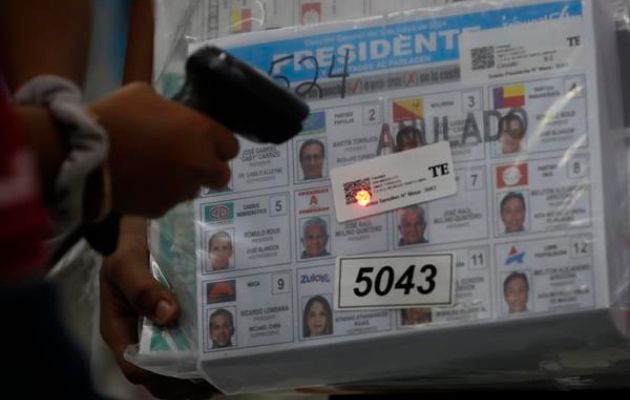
(221, 328)
(511, 133)
(411, 225)
(513, 212)
(314, 238)
(220, 250)
(312, 157)
(516, 292)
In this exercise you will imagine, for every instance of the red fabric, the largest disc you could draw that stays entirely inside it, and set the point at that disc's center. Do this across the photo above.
(23, 220)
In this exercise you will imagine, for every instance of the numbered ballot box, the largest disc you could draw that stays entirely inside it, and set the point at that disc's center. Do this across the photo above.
(456, 198)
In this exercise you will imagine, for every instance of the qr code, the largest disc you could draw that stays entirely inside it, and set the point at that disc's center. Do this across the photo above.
(352, 188)
(482, 57)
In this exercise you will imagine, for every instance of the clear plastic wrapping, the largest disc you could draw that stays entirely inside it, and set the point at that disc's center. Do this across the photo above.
(528, 95)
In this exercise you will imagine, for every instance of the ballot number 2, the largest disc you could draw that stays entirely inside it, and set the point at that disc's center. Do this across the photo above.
(383, 280)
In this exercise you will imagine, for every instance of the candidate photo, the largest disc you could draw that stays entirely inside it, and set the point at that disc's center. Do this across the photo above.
(220, 251)
(411, 225)
(516, 292)
(317, 318)
(512, 211)
(221, 329)
(312, 158)
(511, 133)
(314, 238)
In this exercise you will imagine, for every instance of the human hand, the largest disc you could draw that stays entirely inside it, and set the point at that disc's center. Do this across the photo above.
(128, 292)
(160, 151)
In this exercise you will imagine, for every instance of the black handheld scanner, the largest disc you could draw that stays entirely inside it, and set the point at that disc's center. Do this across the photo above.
(241, 98)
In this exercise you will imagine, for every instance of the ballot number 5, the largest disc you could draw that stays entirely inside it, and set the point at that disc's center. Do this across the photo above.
(278, 205)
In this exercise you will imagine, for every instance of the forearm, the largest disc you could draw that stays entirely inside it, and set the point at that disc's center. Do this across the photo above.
(139, 54)
(44, 37)
(138, 67)
(133, 237)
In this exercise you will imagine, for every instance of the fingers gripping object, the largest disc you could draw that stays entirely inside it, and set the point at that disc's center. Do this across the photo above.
(240, 97)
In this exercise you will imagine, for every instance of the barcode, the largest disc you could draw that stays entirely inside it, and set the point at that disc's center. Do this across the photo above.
(482, 57)
(352, 188)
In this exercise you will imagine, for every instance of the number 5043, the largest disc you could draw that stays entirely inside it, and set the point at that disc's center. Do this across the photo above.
(371, 282)
(382, 281)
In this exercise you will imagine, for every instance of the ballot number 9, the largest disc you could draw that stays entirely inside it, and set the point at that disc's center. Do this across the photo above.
(281, 283)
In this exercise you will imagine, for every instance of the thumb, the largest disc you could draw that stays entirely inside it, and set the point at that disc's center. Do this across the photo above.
(143, 292)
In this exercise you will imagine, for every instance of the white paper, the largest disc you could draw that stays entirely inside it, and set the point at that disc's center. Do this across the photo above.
(524, 223)
(393, 181)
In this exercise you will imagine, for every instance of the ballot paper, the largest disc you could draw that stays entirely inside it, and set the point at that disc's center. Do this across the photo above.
(508, 98)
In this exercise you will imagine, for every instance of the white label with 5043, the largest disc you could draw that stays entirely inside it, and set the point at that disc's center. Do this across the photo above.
(394, 281)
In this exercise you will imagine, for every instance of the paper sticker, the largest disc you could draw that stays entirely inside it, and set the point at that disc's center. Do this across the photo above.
(394, 281)
(394, 181)
(520, 50)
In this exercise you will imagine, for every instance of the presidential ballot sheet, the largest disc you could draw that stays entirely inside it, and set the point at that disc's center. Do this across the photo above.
(450, 172)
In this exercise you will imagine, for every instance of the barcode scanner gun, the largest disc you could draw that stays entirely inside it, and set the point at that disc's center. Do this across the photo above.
(241, 98)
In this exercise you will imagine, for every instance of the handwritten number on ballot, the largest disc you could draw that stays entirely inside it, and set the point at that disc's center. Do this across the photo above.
(304, 88)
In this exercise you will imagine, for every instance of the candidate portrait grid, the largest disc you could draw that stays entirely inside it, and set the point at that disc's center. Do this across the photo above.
(407, 127)
(510, 194)
(520, 281)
